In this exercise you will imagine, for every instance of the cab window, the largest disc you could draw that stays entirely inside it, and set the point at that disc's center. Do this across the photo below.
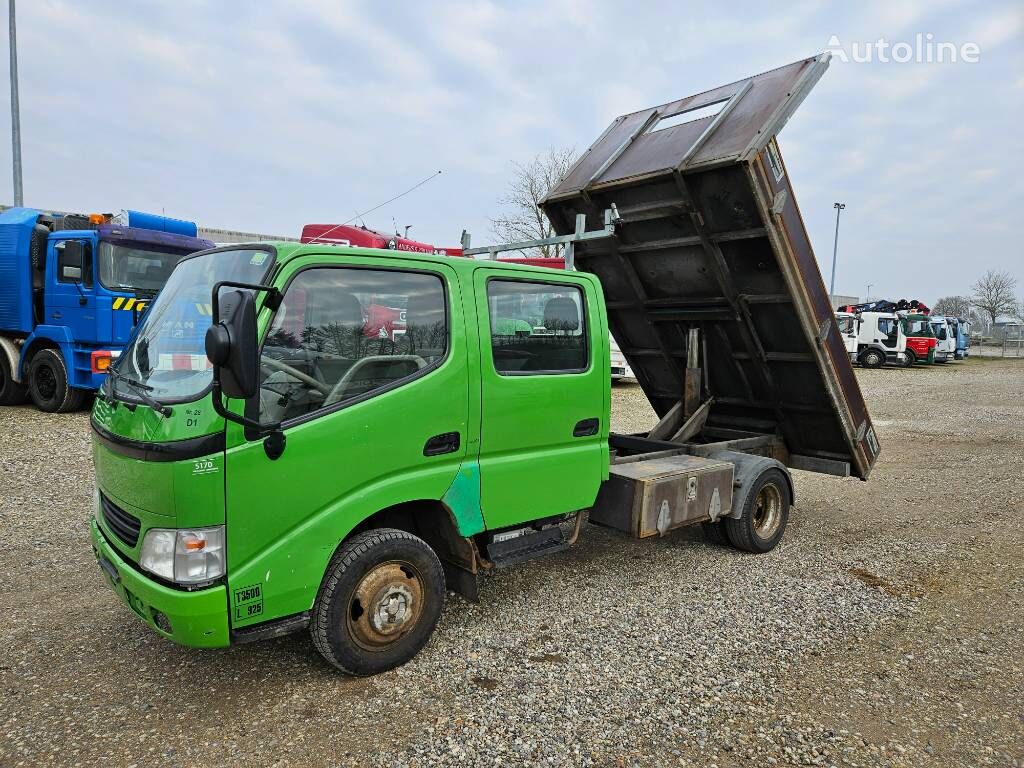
(343, 334)
(536, 327)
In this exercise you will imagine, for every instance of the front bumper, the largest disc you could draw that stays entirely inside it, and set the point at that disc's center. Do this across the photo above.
(198, 619)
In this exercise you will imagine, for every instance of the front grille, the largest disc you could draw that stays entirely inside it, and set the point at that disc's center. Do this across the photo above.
(121, 524)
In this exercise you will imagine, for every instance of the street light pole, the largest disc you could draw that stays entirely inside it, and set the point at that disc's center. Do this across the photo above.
(15, 112)
(835, 249)
(868, 297)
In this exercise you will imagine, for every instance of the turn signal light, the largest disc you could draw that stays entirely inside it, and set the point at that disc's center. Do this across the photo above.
(100, 360)
(193, 543)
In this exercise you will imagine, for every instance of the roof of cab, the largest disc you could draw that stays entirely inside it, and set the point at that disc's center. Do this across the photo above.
(286, 251)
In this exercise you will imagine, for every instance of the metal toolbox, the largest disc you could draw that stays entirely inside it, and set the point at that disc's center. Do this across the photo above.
(648, 497)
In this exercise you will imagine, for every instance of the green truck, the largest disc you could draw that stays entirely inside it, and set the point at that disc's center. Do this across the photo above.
(268, 461)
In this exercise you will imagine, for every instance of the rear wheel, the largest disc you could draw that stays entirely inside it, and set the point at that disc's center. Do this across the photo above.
(379, 602)
(872, 358)
(48, 383)
(764, 516)
(11, 392)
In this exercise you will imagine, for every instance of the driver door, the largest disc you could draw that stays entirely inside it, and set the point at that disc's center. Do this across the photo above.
(359, 402)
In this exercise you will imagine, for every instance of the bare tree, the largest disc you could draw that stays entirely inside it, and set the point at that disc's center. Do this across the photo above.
(953, 306)
(993, 295)
(523, 219)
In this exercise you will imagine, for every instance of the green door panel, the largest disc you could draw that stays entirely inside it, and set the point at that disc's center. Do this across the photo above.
(531, 465)
(286, 517)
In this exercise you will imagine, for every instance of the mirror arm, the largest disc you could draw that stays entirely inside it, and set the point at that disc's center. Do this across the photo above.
(272, 300)
(218, 406)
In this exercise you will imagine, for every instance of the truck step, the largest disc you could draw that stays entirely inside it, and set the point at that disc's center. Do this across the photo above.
(506, 552)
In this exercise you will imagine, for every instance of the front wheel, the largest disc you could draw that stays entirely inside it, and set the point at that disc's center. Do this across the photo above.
(48, 383)
(872, 358)
(765, 513)
(911, 359)
(379, 602)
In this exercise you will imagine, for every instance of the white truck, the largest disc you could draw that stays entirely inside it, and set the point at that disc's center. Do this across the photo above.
(945, 335)
(873, 339)
(620, 365)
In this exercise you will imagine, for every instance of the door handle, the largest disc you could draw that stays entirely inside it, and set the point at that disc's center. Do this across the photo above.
(447, 442)
(586, 427)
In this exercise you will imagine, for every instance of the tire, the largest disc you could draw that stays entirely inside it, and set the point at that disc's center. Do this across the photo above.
(872, 358)
(765, 514)
(911, 359)
(11, 392)
(714, 533)
(394, 570)
(48, 383)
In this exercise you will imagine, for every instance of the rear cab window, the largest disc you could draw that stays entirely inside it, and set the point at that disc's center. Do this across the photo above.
(537, 327)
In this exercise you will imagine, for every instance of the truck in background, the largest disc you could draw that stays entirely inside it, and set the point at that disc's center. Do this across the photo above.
(945, 338)
(921, 339)
(72, 288)
(873, 338)
(962, 333)
(914, 336)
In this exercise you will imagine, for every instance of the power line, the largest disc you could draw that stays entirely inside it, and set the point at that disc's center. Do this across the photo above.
(381, 205)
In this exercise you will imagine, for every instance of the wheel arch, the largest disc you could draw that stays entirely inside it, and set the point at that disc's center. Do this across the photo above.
(747, 469)
(13, 355)
(434, 522)
(47, 337)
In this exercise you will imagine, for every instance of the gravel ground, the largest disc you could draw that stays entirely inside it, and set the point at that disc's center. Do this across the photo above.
(886, 629)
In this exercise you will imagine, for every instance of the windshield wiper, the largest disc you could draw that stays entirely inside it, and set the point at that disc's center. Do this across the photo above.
(141, 390)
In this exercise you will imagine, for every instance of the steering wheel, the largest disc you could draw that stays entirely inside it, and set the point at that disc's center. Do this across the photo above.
(295, 373)
(337, 394)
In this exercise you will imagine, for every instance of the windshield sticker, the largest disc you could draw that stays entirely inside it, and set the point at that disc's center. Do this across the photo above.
(258, 258)
(248, 602)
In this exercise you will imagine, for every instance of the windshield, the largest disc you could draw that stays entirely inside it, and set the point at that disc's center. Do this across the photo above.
(134, 267)
(167, 352)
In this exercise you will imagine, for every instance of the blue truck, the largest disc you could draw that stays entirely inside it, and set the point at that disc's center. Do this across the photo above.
(72, 289)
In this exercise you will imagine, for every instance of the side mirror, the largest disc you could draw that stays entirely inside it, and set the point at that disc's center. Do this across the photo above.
(232, 347)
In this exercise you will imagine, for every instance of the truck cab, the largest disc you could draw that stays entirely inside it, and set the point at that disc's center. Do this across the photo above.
(921, 339)
(849, 327)
(74, 288)
(880, 340)
(961, 330)
(945, 338)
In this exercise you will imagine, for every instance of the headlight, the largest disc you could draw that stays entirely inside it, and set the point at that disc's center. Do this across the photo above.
(186, 556)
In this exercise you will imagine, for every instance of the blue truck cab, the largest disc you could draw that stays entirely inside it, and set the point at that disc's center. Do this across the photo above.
(72, 289)
(961, 331)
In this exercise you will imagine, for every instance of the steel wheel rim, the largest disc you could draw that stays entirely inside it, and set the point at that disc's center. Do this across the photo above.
(767, 513)
(46, 382)
(385, 606)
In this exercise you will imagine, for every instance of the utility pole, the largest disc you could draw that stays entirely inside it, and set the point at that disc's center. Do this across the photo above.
(15, 113)
(868, 297)
(835, 249)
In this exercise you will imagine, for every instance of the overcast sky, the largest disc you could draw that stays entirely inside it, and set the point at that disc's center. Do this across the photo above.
(265, 116)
